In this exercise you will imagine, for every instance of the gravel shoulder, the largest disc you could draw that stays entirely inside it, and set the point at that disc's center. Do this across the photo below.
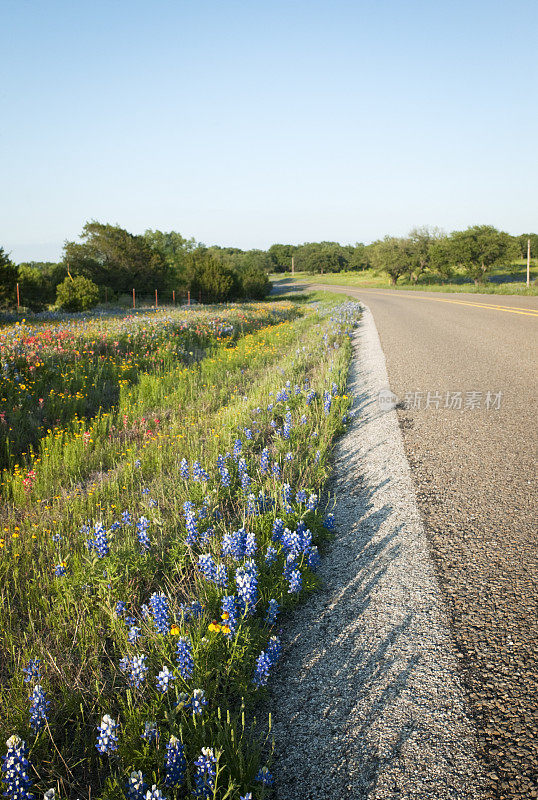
(368, 698)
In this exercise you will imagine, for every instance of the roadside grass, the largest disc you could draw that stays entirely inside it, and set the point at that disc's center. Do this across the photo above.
(130, 547)
(510, 280)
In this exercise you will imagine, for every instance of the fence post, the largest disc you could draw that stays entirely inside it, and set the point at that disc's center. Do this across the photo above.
(200, 297)
(134, 301)
(18, 298)
(174, 296)
(189, 297)
(156, 299)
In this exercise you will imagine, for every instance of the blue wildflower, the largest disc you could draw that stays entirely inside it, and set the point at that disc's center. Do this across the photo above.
(135, 788)
(184, 469)
(312, 502)
(274, 649)
(59, 570)
(184, 658)
(176, 763)
(101, 541)
(289, 456)
(278, 529)
(327, 405)
(126, 518)
(139, 671)
(301, 496)
(246, 580)
(192, 529)
(198, 701)
(245, 481)
(313, 557)
(32, 670)
(250, 544)
(154, 794)
(329, 522)
(224, 476)
(133, 634)
(107, 740)
(270, 555)
(204, 776)
(264, 777)
(121, 605)
(304, 419)
(207, 566)
(287, 492)
(276, 469)
(229, 613)
(261, 674)
(317, 457)
(160, 612)
(38, 709)
(16, 770)
(272, 612)
(296, 582)
(248, 433)
(196, 471)
(150, 732)
(221, 576)
(164, 680)
(142, 532)
(310, 397)
(264, 461)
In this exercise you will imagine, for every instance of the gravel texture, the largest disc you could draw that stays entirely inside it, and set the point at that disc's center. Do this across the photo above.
(368, 700)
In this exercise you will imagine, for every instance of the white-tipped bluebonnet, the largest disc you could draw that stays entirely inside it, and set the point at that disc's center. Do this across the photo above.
(150, 732)
(312, 502)
(327, 405)
(142, 533)
(252, 505)
(245, 481)
(317, 457)
(204, 775)
(237, 448)
(264, 777)
(135, 788)
(192, 529)
(224, 476)
(304, 419)
(175, 764)
(295, 582)
(288, 456)
(184, 469)
(248, 433)
(221, 576)
(139, 670)
(286, 430)
(107, 740)
(32, 671)
(247, 796)
(250, 544)
(133, 634)
(126, 518)
(38, 709)
(270, 555)
(184, 658)
(56, 538)
(197, 702)
(329, 522)
(16, 770)
(272, 612)
(313, 557)
(287, 493)
(264, 461)
(160, 612)
(278, 529)
(164, 680)
(261, 673)
(207, 566)
(233, 544)
(274, 649)
(124, 663)
(121, 605)
(276, 469)
(301, 496)
(229, 614)
(334, 389)
(154, 794)
(59, 570)
(246, 580)
(101, 541)
(196, 471)
(310, 397)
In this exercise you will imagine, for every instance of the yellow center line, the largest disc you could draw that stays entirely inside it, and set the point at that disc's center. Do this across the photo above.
(512, 310)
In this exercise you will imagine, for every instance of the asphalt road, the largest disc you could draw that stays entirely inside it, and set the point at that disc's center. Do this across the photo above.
(475, 473)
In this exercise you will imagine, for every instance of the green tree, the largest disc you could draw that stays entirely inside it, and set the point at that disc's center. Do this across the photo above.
(421, 242)
(173, 248)
(392, 255)
(211, 277)
(281, 255)
(77, 294)
(359, 257)
(255, 283)
(8, 279)
(480, 248)
(321, 257)
(522, 244)
(111, 256)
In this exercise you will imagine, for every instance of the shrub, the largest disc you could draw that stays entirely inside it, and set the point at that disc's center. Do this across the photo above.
(77, 294)
(255, 284)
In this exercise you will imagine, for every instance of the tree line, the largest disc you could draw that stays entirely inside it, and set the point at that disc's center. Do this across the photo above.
(108, 262)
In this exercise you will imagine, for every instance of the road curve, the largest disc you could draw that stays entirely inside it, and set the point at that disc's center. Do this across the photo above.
(475, 473)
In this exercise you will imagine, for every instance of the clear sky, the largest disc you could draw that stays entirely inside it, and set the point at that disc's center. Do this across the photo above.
(260, 121)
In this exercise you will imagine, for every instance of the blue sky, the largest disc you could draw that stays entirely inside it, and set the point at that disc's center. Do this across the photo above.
(248, 123)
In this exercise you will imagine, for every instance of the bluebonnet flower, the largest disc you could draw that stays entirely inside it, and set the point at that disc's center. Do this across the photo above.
(289, 456)
(317, 457)
(196, 609)
(245, 481)
(250, 544)
(160, 611)
(184, 658)
(152, 503)
(38, 709)
(229, 613)
(272, 612)
(50, 794)
(233, 544)
(142, 532)
(204, 776)
(221, 576)
(221, 462)
(124, 663)
(188, 507)
(176, 763)
(273, 423)
(246, 580)
(287, 493)
(137, 463)
(237, 448)
(297, 389)
(192, 529)
(313, 558)
(282, 396)
(32, 670)
(116, 525)
(264, 461)
(247, 796)
(16, 770)
(59, 570)
(291, 541)
(329, 522)
(270, 406)
(145, 490)
(286, 431)
(184, 469)
(274, 649)
(296, 582)
(198, 701)
(248, 433)
(301, 496)
(126, 518)
(314, 435)
(334, 389)
(252, 505)
(139, 671)
(154, 794)
(145, 611)
(121, 605)
(150, 732)
(207, 566)
(327, 405)
(276, 469)
(264, 777)
(261, 674)
(278, 529)
(270, 555)
(304, 419)
(224, 476)
(101, 541)
(312, 502)
(133, 634)
(135, 786)
(56, 538)
(206, 535)
(310, 397)
(107, 740)
(130, 621)
(196, 471)
(164, 680)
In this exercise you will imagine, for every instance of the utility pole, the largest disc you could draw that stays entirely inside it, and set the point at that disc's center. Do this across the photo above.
(529, 261)
(292, 266)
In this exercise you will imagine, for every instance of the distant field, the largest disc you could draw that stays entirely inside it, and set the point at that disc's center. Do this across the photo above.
(502, 281)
